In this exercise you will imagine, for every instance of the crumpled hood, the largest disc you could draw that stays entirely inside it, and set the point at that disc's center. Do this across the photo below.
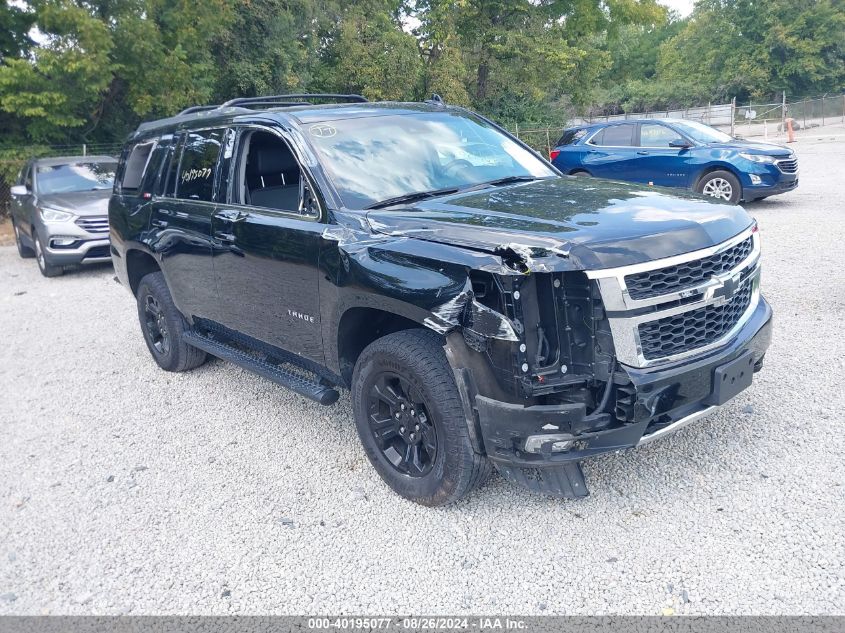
(85, 203)
(569, 223)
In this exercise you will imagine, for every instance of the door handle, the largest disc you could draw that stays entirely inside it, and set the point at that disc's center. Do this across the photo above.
(159, 223)
(224, 237)
(642, 153)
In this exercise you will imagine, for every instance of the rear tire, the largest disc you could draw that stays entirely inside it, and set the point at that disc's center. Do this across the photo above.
(24, 251)
(581, 174)
(42, 258)
(411, 421)
(163, 325)
(722, 185)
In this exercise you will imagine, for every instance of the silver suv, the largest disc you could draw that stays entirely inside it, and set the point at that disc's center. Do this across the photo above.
(60, 211)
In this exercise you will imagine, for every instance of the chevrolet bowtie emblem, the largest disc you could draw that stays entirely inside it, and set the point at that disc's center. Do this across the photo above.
(726, 288)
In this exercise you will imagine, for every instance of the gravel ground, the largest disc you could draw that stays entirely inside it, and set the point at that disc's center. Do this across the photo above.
(125, 489)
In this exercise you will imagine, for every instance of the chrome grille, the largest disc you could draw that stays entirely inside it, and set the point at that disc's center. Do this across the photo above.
(669, 309)
(98, 224)
(689, 331)
(788, 165)
(653, 283)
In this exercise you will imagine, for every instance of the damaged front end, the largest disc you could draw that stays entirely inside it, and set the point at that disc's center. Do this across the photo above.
(533, 358)
(544, 387)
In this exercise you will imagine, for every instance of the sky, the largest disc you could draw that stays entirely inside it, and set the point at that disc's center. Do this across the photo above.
(682, 7)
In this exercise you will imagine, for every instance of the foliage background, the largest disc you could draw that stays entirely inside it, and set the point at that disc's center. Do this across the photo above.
(88, 71)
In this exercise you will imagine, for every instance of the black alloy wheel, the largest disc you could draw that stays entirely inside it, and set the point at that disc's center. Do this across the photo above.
(156, 324)
(163, 326)
(401, 425)
(411, 420)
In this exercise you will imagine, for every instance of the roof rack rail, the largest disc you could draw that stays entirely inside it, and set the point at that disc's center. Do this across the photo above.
(287, 100)
(201, 108)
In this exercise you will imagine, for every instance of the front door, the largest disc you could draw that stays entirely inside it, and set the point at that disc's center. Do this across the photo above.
(657, 162)
(267, 244)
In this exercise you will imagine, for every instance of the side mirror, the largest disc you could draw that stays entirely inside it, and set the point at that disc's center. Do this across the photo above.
(19, 190)
(680, 143)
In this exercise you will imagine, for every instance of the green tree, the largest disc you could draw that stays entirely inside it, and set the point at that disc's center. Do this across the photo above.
(103, 65)
(369, 53)
(15, 24)
(269, 48)
(746, 48)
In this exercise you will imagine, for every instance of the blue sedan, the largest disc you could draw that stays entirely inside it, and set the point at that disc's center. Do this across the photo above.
(678, 153)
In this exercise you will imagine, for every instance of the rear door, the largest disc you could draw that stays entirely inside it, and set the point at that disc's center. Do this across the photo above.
(657, 163)
(611, 152)
(268, 238)
(180, 222)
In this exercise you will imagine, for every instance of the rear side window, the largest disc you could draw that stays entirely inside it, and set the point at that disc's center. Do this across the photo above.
(195, 180)
(615, 136)
(135, 166)
(572, 136)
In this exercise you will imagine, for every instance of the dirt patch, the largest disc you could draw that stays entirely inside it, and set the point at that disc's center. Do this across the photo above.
(7, 234)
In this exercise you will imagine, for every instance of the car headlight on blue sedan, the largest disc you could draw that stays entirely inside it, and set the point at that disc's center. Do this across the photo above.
(54, 215)
(758, 158)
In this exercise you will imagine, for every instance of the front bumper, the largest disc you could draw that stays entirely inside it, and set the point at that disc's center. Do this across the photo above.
(665, 398)
(771, 181)
(94, 251)
(68, 244)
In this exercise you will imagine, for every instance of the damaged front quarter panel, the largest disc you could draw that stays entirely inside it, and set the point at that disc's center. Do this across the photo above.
(431, 278)
(466, 312)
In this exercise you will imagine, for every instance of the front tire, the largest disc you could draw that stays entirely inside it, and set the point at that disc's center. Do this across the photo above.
(24, 251)
(722, 185)
(411, 421)
(163, 325)
(47, 269)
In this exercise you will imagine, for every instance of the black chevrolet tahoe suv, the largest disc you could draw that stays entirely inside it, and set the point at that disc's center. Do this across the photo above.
(483, 309)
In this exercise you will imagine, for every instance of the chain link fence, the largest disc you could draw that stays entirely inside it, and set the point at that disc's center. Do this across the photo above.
(746, 121)
(768, 119)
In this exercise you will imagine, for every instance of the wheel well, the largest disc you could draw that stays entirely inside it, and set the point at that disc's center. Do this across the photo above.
(361, 326)
(711, 169)
(139, 264)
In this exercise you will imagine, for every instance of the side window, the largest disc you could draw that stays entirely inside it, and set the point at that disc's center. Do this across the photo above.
(617, 136)
(171, 169)
(597, 139)
(656, 135)
(268, 175)
(136, 164)
(571, 136)
(151, 182)
(27, 179)
(195, 180)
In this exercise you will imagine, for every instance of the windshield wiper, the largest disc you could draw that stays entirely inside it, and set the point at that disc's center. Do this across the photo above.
(412, 197)
(511, 179)
(423, 195)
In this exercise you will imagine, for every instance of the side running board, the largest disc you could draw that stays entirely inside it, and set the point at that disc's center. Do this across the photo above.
(301, 385)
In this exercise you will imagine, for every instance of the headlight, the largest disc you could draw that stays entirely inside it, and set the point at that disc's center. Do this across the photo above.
(54, 215)
(758, 158)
